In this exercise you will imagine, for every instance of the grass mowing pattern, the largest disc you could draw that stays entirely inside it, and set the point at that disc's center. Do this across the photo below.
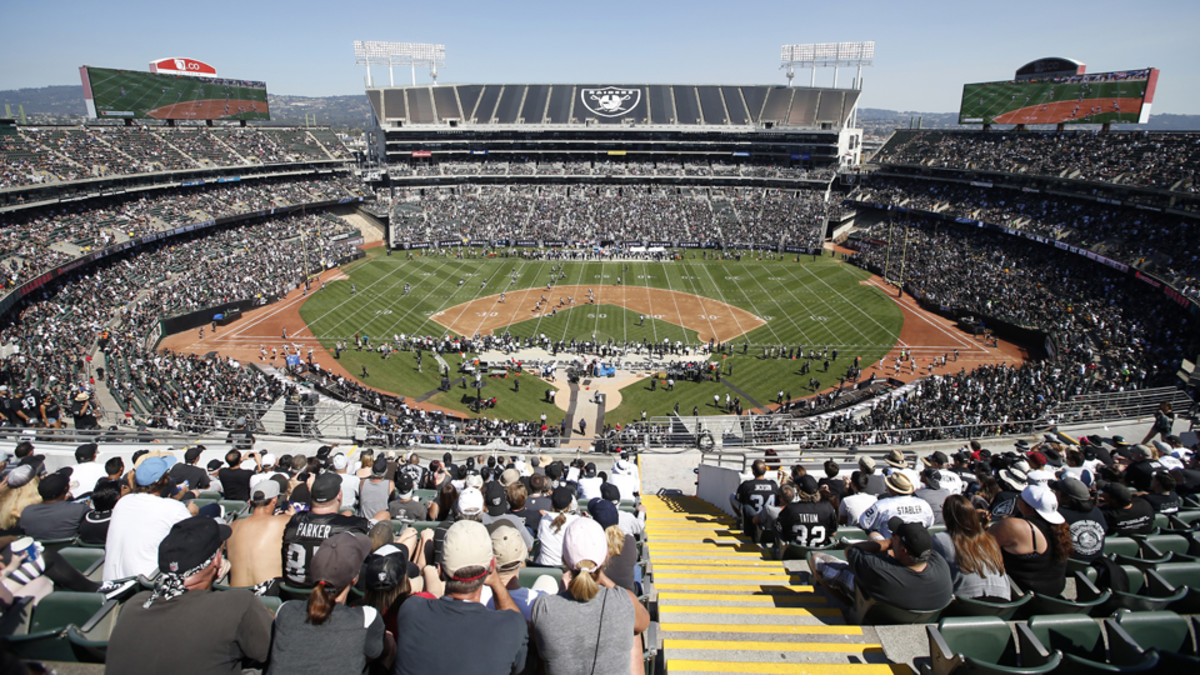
(139, 93)
(982, 103)
(811, 303)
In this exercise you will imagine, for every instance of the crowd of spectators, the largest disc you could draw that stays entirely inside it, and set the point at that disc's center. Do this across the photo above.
(595, 213)
(327, 523)
(1160, 160)
(529, 166)
(36, 155)
(1162, 244)
(35, 239)
(53, 331)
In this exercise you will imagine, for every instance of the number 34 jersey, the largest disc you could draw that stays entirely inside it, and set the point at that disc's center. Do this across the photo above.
(808, 523)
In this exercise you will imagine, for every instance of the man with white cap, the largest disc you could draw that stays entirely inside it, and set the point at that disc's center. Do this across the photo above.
(900, 503)
(140, 521)
(341, 466)
(498, 639)
(625, 477)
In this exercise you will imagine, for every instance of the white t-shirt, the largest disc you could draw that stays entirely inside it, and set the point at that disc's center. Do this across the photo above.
(950, 482)
(350, 490)
(550, 554)
(854, 505)
(524, 598)
(139, 524)
(589, 489)
(630, 524)
(86, 475)
(910, 509)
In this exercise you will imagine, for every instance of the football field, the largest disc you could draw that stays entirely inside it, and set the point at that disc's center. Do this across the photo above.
(753, 305)
(125, 93)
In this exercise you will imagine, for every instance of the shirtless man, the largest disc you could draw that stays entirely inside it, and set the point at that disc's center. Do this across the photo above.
(254, 546)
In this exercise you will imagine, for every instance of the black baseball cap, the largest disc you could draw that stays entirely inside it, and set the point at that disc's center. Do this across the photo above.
(914, 536)
(808, 485)
(404, 483)
(190, 542)
(86, 452)
(610, 492)
(54, 486)
(494, 499)
(561, 497)
(326, 488)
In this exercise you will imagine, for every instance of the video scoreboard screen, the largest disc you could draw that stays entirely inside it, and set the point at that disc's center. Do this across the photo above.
(130, 94)
(1121, 97)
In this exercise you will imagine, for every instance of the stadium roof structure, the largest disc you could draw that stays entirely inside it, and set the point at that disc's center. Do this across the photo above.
(636, 106)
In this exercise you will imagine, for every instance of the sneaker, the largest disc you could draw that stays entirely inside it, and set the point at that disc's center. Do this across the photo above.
(116, 589)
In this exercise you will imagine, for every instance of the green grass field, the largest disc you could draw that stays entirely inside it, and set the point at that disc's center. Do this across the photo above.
(139, 93)
(983, 102)
(811, 303)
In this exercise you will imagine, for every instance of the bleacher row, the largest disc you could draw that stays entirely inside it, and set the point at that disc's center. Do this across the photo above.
(605, 167)
(46, 154)
(71, 626)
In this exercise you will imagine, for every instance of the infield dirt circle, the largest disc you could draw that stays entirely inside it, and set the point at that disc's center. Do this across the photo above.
(1059, 111)
(711, 319)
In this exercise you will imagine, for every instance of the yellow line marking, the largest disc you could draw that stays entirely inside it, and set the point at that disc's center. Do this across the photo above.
(743, 588)
(764, 611)
(716, 568)
(742, 597)
(680, 665)
(767, 645)
(714, 548)
(741, 560)
(774, 629)
(753, 578)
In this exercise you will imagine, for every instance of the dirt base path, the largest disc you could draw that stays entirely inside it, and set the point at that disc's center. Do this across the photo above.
(721, 322)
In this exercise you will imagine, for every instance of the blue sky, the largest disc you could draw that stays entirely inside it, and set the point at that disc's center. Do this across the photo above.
(925, 51)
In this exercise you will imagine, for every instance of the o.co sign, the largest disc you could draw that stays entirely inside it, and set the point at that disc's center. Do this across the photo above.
(182, 66)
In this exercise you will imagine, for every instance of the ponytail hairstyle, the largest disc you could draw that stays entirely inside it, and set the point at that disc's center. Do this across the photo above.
(321, 602)
(583, 581)
(616, 540)
(561, 518)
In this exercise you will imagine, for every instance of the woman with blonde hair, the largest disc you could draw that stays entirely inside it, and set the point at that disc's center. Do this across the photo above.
(622, 549)
(21, 490)
(589, 628)
(976, 563)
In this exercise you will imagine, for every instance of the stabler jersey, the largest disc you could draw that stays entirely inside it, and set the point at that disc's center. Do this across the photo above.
(910, 509)
(305, 533)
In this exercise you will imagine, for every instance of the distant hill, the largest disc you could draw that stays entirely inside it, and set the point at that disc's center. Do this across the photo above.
(64, 104)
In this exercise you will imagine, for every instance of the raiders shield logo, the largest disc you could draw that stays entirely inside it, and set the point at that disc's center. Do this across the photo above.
(611, 101)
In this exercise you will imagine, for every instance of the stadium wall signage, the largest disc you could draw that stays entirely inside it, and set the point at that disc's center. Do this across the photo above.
(610, 101)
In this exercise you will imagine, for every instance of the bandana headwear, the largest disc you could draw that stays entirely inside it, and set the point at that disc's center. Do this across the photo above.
(170, 584)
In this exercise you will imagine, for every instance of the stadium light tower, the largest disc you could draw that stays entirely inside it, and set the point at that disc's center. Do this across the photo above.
(411, 54)
(827, 55)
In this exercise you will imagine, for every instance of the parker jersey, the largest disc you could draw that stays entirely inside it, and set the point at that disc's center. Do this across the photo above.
(910, 509)
(305, 533)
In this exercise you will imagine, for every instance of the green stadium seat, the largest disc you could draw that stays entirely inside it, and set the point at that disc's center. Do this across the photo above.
(1185, 520)
(872, 611)
(89, 561)
(1127, 546)
(1161, 545)
(208, 494)
(233, 507)
(56, 544)
(1048, 604)
(1139, 598)
(272, 603)
(1166, 580)
(976, 607)
(1082, 642)
(290, 592)
(425, 495)
(45, 636)
(1167, 633)
(528, 575)
(986, 645)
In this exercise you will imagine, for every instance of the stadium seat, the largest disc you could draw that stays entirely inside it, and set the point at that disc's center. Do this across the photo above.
(1161, 545)
(209, 494)
(871, 611)
(1166, 580)
(985, 645)
(272, 603)
(89, 561)
(45, 635)
(290, 592)
(233, 507)
(1164, 632)
(797, 552)
(976, 607)
(56, 544)
(1048, 604)
(1185, 520)
(1082, 641)
(528, 575)
(651, 646)
(425, 495)
(1139, 598)
(420, 525)
(1127, 546)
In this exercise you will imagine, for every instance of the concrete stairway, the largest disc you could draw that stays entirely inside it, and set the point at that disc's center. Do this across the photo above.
(723, 607)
